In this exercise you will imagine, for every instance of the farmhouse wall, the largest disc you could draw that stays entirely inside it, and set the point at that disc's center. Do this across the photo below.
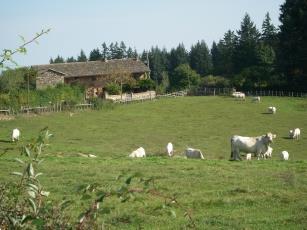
(49, 78)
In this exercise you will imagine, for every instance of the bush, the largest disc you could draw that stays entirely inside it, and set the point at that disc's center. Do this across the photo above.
(146, 84)
(113, 88)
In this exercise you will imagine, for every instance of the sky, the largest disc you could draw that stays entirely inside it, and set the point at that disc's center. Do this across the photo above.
(141, 24)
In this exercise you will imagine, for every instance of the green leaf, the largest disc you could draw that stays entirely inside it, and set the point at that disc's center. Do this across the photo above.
(45, 193)
(32, 194)
(17, 173)
(128, 180)
(26, 218)
(33, 186)
(38, 174)
(30, 170)
(86, 197)
(22, 38)
(19, 160)
(33, 205)
(27, 151)
(173, 213)
(65, 204)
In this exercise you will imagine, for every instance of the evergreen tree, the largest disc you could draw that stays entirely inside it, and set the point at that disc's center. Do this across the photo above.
(200, 58)
(105, 52)
(70, 59)
(51, 61)
(123, 50)
(82, 57)
(177, 57)
(58, 59)
(293, 45)
(129, 52)
(269, 32)
(223, 54)
(95, 55)
(158, 63)
(246, 50)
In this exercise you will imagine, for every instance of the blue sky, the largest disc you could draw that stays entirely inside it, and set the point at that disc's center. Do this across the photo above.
(77, 24)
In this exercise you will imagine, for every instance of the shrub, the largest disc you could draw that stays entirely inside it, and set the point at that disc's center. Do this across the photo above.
(113, 88)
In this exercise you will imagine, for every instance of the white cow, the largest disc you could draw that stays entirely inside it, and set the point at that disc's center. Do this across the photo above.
(284, 155)
(295, 134)
(194, 153)
(238, 95)
(170, 149)
(248, 156)
(256, 99)
(257, 145)
(268, 154)
(140, 152)
(15, 135)
(272, 109)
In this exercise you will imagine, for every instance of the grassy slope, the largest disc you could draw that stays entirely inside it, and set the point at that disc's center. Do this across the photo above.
(259, 194)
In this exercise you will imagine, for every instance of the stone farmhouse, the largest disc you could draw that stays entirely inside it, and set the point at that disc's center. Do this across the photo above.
(94, 75)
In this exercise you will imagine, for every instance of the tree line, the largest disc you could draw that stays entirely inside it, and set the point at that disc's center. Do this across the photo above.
(249, 58)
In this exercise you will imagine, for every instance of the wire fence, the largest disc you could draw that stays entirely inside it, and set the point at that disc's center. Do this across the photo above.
(229, 91)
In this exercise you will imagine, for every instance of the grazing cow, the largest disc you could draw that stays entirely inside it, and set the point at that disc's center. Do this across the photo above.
(170, 149)
(15, 135)
(256, 99)
(248, 156)
(238, 95)
(295, 134)
(257, 145)
(268, 154)
(272, 109)
(284, 155)
(140, 152)
(194, 153)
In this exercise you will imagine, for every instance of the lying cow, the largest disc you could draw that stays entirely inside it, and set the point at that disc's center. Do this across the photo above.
(256, 99)
(272, 109)
(257, 145)
(194, 153)
(140, 152)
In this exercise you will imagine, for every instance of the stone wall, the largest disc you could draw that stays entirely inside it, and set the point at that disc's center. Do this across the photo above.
(49, 78)
(131, 96)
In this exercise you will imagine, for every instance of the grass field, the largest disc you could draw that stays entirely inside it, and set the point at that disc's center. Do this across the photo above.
(266, 194)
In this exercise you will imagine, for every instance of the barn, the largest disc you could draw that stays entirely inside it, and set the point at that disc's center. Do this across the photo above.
(94, 75)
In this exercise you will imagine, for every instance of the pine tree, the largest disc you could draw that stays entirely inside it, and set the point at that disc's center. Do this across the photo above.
(51, 61)
(200, 58)
(293, 46)
(246, 49)
(105, 51)
(177, 57)
(123, 51)
(70, 59)
(58, 59)
(269, 31)
(95, 55)
(82, 57)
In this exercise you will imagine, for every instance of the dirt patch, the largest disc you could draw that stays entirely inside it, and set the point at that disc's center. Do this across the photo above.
(6, 117)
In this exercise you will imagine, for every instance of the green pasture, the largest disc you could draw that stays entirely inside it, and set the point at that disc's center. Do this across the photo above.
(219, 194)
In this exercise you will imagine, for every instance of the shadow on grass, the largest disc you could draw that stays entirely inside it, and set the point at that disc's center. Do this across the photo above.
(5, 141)
(287, 138)
(4, 151)
(266, 113)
